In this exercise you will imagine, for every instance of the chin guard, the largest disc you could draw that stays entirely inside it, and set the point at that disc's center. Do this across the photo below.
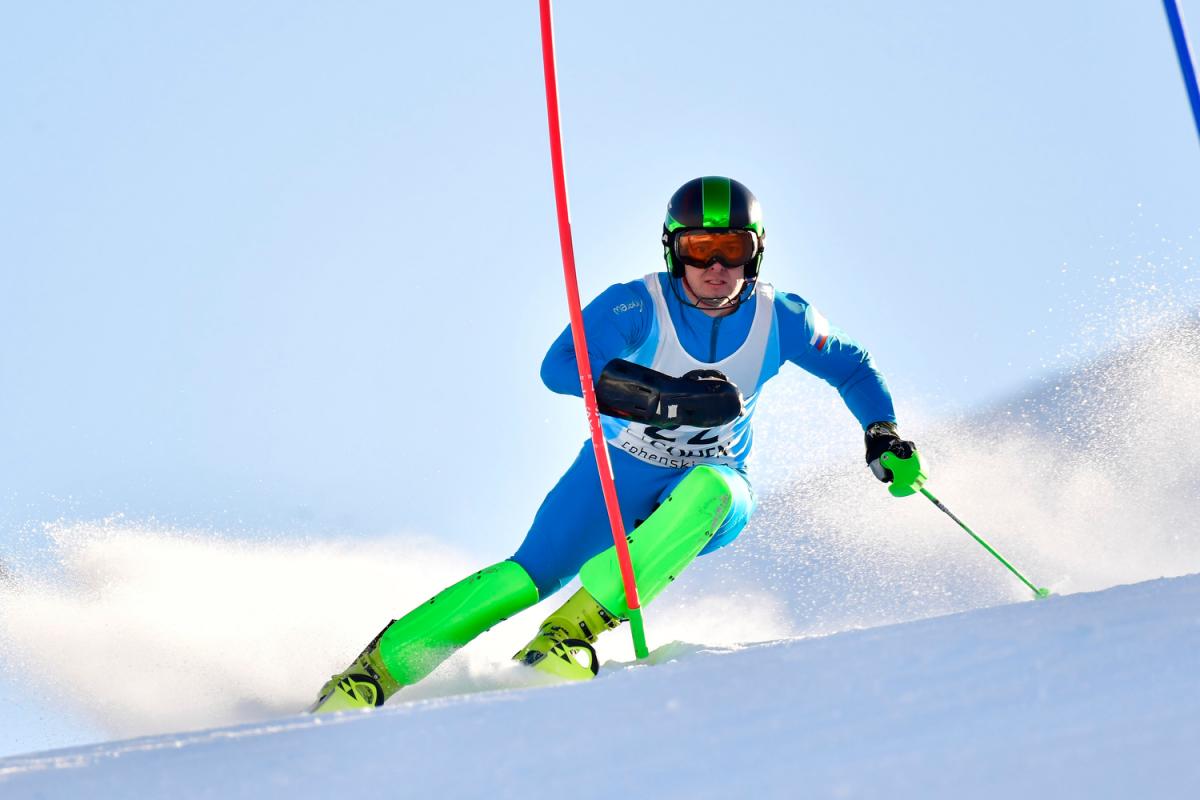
(702, 398)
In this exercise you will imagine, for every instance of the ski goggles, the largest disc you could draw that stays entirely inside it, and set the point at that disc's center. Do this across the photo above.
(701, 247)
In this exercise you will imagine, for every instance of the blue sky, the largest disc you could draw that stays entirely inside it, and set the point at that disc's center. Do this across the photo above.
(290, 268)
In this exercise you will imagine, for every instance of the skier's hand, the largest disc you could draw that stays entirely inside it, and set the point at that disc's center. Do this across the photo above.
(705, 399)
(882, 437)
(703, 375)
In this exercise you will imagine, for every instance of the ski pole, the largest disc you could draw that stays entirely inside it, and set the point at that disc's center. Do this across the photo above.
(579, 338)
(907, 478)
(1039, 593)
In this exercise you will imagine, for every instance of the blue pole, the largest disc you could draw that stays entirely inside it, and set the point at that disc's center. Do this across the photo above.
(1186, 64)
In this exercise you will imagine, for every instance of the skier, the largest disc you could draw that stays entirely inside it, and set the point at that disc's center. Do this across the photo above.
(680, 357)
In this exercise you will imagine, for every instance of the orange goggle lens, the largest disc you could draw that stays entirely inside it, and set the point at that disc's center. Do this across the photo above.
(703, 248)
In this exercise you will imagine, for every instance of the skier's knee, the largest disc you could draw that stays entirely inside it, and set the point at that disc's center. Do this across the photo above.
(741, 506)
(706, 483)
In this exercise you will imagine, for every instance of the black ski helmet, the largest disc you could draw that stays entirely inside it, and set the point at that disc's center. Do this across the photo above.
(717, 203)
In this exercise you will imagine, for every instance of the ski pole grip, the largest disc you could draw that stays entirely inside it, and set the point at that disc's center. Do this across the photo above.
(907, 477)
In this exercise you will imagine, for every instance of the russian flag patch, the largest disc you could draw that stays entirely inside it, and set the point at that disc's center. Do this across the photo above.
(820, 326)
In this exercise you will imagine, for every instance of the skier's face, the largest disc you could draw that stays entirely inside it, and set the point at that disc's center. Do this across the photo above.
(715, 286)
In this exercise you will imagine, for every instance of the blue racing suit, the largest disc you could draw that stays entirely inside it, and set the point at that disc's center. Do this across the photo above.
(647, 321)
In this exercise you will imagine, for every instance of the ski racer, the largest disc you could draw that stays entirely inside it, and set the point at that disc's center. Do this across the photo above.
(678, 358)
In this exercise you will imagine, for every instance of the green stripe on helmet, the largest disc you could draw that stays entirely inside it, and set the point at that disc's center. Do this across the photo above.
(716, 201)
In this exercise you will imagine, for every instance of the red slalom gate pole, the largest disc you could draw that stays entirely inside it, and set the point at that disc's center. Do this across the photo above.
(579, 338)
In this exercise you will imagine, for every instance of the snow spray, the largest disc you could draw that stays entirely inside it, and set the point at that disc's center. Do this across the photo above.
(1090, 480)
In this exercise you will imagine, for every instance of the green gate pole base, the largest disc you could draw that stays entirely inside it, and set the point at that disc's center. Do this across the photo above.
(639, 633)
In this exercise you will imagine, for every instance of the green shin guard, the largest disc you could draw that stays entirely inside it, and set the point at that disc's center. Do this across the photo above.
(566, 635)
(663, 545)
(411, 647)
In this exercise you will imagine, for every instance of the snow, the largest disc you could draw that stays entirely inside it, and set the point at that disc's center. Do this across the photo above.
(1089, 695)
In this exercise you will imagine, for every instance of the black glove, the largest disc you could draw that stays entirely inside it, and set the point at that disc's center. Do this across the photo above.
(702, 398)
(882, 437)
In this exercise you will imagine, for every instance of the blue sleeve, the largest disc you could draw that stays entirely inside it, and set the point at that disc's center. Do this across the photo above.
(617, 322)
(808, 340)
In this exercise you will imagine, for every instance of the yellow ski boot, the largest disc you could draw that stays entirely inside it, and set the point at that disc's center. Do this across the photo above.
(566, 637)
(411, 647)
(364, 684)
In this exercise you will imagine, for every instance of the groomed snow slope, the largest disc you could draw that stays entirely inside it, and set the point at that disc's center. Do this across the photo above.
(1090, 695)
